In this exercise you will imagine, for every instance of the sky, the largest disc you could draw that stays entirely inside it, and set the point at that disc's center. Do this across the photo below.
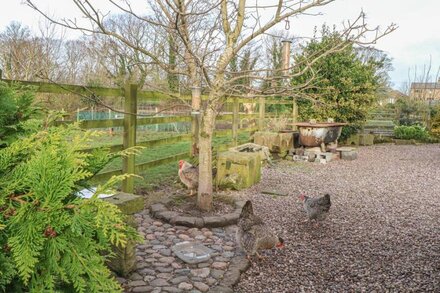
(413, 44)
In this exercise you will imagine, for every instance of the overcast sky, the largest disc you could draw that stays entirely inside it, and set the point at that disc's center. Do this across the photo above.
(413, 44)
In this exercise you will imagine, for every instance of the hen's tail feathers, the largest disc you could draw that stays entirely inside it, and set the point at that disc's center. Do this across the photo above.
(247, 210)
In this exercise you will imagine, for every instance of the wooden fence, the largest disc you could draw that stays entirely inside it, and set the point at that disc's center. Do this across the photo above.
(130, 121)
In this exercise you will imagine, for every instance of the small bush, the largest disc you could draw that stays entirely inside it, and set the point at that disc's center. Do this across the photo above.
(411, 132)
(16, 108)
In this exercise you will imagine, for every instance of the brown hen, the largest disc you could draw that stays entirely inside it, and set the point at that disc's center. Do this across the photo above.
(253, 234)
(189, 175)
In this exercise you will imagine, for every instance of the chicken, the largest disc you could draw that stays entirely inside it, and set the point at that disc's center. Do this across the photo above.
(253, 235)
(316, 208)
(189, 175)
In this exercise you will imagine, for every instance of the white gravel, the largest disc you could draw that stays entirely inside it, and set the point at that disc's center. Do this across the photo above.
(382, 233)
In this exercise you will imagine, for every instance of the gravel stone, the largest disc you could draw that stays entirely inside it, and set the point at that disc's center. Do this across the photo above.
(381, 234)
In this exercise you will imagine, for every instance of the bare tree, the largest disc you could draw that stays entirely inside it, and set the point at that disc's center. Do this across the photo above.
(25, 56)
(207, 36)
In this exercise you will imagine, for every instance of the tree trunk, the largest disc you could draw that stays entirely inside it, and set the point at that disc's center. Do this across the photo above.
(204, 196)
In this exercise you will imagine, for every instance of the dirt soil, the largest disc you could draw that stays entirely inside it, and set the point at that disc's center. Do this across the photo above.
(187, 206)
(382, 233)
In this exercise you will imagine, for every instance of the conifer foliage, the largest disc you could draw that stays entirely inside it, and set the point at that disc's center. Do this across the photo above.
(50, 239)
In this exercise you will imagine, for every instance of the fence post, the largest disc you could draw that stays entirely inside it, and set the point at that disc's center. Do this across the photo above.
(294, 113)
(235, 121)
(195, 119)
(129, 138)
(262, 111)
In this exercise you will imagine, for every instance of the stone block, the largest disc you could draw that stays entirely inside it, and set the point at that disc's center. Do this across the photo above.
(157, 208)
(262, 151)
(129, 204)
(326, 156)
(351, 155)
(353, 140)
(276, 142)
(238, 170)
(366, 139)
(214, 221)
(301, 158)
(184, 221)
(124, 260)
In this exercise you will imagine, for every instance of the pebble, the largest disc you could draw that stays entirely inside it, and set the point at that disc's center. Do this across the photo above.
(207, 234)
(142, 289)
(201, 286)
(228, 254)
(159, 283)
(167, 259)
(164, 270)
(200, 237)
(171, 289)
(203, 273)
(178, 280)
(185, 286)
(218, 274)
(220, 265)
(183, 271)
(137, 283)
(211, 281)
(159, 271)
(164, 276)
(184, 237)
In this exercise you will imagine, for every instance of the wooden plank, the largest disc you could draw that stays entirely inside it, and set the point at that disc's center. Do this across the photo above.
(144, 166)
(261, 112)
(109, 123)
(162, 120)
(164, 141)
(153, 96)
(180, 156)
(45, 87)
(294, 113)
(129, 137)
(235, 121)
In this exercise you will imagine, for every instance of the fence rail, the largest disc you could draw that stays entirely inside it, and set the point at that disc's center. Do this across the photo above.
(130, 122)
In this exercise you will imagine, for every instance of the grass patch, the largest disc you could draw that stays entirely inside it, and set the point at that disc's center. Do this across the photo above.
(166, 174)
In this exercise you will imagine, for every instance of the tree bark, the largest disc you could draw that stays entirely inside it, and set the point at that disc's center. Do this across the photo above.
(207, 125)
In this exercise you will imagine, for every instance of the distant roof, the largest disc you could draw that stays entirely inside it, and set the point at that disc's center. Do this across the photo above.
(425, 85)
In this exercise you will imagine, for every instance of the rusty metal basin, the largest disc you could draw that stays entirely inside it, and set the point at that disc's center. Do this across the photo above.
(314, 134)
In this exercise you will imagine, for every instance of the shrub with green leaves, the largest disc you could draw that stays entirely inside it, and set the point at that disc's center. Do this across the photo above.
(16, 107)
(50, 239)
(411, 132)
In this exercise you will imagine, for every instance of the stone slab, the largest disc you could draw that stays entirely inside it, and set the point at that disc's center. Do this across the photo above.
(129, 204)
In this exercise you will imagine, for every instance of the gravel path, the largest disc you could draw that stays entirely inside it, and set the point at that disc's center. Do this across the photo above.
(382, 233)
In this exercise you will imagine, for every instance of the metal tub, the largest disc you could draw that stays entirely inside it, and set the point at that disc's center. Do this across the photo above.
(314, 134)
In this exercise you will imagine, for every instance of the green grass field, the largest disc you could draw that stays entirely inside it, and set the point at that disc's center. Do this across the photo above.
(162, 174)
